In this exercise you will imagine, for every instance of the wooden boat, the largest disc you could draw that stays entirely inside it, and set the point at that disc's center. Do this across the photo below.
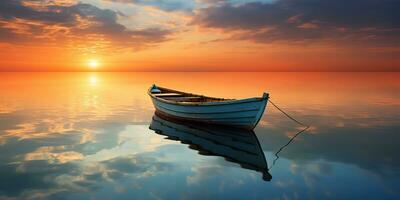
(244, 113)
(236, 145)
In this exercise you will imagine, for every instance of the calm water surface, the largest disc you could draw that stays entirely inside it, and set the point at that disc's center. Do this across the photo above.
(87, 136)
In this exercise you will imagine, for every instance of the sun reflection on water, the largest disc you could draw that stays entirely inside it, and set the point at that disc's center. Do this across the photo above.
(93, 80)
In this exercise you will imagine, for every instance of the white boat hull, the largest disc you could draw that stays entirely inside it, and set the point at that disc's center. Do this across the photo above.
(245, 113)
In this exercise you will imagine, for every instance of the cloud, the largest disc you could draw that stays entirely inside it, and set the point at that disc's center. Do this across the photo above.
(166, 5)
(300, 20)
(27, 178)
(204, 173)
(20, 22)
(53, 160)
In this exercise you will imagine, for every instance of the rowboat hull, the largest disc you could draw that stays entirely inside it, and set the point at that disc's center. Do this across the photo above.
(245, 113)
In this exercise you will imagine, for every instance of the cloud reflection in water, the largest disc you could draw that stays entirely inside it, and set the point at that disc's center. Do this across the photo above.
(62, 138)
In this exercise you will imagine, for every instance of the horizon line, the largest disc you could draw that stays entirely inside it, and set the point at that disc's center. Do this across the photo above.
(190, 71)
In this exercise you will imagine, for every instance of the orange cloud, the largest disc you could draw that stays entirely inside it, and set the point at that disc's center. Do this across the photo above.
(136, 35)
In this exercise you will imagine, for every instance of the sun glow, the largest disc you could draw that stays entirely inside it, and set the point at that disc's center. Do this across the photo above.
(93, 63)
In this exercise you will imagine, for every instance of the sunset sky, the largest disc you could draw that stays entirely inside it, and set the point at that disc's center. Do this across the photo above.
(200, 35)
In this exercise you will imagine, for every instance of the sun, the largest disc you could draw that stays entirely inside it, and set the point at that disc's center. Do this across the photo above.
(93, 63)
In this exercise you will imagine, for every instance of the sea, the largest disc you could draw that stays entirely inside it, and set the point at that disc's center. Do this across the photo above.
(95, 135)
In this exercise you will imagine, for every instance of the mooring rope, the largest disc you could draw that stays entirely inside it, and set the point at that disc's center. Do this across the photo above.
(291, 139)
(287, 115)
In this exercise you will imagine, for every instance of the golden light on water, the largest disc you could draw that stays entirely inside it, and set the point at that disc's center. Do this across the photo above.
(93, 80)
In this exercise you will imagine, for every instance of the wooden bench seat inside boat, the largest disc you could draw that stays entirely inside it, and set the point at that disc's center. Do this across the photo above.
(185, 99)
(169, 94)
(175, 96)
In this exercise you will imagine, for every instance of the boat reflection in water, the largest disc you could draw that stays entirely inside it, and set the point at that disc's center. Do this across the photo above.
(234, 144)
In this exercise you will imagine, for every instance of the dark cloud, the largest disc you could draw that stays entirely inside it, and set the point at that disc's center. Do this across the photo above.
(71, 21)
(53, 15)
(297, 20)
(166, 5)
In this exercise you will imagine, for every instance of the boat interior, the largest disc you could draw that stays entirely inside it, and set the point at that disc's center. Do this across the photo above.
(177, 96)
